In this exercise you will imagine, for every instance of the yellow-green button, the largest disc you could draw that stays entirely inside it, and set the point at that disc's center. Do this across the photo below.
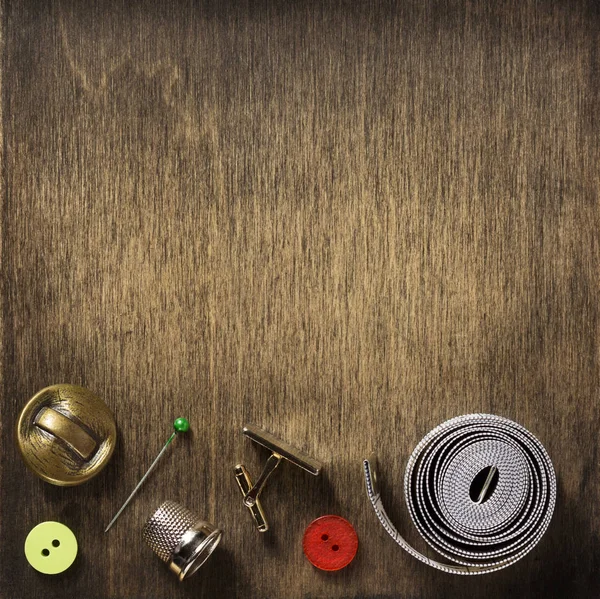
(50, 547)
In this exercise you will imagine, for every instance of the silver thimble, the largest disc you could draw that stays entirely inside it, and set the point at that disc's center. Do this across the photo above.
(180, 538)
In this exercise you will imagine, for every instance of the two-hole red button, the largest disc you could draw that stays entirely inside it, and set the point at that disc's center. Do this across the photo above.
(330, 543)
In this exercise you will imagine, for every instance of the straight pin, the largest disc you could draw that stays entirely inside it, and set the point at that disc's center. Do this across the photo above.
(181, 425)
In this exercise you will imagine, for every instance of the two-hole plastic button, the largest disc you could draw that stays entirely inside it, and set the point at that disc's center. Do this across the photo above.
(50, 547)
(330, 543)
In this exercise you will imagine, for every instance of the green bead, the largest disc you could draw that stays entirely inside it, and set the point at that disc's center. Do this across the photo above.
(181, 425)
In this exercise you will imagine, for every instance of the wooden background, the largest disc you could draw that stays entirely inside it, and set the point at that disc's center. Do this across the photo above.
(342, 221)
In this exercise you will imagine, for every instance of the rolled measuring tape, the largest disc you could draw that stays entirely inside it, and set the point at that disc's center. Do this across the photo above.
(480, 489)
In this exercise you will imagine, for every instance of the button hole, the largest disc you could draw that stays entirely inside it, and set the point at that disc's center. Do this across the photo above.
(324, 537)
(335, 547)
(45, 552)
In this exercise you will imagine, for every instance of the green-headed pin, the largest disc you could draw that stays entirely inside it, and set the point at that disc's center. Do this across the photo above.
(181, 425)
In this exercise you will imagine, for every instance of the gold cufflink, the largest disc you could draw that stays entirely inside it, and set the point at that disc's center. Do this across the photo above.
(279, 450)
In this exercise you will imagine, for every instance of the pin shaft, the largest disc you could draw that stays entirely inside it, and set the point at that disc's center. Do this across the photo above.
(137, 487)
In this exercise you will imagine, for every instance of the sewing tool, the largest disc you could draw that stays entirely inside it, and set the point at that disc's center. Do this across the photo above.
(480, 489)
(181, 539)
(181, 425)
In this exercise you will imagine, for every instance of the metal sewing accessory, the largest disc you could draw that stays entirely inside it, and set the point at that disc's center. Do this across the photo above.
(181, 425)
(480, 489)
(181, 539)
(279, 450)
(66, 434)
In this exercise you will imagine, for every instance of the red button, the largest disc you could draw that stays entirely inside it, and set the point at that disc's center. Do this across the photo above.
(330, 543)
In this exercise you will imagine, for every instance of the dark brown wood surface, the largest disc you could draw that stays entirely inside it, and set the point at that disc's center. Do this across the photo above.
(344, 222)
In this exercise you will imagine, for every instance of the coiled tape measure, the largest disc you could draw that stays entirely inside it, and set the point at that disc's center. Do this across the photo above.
(498, 525)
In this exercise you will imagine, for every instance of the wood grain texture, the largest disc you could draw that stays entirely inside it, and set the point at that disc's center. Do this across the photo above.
(345, 222)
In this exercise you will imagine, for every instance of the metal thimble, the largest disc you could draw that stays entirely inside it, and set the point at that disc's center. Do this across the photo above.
(180, 538)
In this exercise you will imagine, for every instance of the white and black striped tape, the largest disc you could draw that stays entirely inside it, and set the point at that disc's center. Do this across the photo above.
(484, 532)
